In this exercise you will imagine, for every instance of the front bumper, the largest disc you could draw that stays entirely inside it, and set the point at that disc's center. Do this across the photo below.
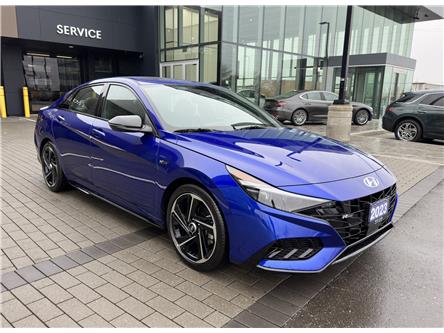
(346, 234)
(329, 257)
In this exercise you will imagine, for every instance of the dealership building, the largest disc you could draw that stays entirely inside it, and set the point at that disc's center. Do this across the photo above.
(262, 51)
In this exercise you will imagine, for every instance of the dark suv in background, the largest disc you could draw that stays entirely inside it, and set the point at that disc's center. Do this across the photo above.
(301, 106)
(416, 115)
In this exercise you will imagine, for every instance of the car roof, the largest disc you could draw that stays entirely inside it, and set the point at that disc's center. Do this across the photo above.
(147, 80)
(421, 92)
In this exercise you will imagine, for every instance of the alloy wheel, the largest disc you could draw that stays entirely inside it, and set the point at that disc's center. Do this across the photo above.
(299, 117)
(193, 228)
(50, 170)
(407, 131)
(362, 117)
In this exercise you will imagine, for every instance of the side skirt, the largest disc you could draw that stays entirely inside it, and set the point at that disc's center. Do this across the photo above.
(120, 207)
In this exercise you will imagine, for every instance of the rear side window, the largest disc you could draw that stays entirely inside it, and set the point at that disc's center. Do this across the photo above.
(431, 99)
(405, 98)
(121, 101)
(313, 95)
(439, 102)
(86, 99)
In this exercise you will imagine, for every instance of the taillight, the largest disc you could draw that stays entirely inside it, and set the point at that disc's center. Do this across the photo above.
(389, 109)
(280, 104)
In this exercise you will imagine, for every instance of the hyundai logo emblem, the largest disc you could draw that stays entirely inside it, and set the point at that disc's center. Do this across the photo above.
(371, 182)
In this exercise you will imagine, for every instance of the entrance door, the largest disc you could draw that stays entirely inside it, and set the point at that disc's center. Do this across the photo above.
(180, 70)
(367, 87)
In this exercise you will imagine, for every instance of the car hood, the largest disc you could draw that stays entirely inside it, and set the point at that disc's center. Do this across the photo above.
(282, 156)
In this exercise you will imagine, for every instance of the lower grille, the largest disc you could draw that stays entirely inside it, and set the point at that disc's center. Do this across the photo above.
(360, 245)
(294, 249)
(350, 218)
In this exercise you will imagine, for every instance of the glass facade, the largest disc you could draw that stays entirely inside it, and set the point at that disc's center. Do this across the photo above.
(264, 51)
(189, 40)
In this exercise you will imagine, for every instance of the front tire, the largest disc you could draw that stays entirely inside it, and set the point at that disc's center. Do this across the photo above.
(196, 228)
(361, 117)
(408, 130)
(51, 168)
(299, 117)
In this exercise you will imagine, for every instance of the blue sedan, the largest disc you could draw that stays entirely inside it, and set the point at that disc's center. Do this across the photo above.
(226, 180)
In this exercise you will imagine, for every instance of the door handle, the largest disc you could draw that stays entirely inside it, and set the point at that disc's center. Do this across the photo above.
(420, 111)
(61, 118)
(97, 133)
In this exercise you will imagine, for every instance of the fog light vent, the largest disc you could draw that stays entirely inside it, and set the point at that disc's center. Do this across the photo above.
(294, 249)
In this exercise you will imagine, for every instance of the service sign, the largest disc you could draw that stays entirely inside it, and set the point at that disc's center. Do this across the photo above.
(70, 30)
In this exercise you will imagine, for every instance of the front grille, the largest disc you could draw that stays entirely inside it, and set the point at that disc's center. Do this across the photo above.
(350, 218)
(294, 249)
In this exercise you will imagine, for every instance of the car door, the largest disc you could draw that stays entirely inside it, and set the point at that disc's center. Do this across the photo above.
(71, 129)
(124, 163)
(316, 107)
(431, 113)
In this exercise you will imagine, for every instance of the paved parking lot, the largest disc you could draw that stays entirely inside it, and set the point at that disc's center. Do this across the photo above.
(70, 260)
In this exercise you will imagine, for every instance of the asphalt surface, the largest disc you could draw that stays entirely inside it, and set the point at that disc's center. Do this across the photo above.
(397, 283)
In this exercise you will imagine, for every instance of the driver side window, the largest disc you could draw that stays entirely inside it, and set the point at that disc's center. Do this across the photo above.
(330, 96)
(85, 100)
(121, 101)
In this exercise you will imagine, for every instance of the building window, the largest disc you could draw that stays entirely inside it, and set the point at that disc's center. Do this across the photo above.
(274, 19)
(228, 66)
(230, 23)
(250, 25)
(171, 27)
(208, 63)
(210, 26)
(271, 65)
(185, 53)
(294, 27)
(190, 26)
(249, 68)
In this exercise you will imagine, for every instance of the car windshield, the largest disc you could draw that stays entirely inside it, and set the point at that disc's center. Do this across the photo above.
(204, 108)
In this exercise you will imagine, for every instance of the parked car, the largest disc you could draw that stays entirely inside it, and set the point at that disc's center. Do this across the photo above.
(250, 94)
(223, 177)
(301, 106)
(416, 115)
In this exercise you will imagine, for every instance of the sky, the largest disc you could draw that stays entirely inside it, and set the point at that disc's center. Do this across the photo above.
(428, 50)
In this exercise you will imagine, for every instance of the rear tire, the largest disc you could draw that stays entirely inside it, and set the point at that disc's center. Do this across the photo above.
(52, 171)
(299, 117)
(196, 228)
(408, 130)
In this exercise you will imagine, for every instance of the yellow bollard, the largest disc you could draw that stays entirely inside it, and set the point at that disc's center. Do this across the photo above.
(2, 102)
(26, 102)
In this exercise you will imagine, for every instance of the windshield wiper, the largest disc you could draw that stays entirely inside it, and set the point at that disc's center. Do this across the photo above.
(247, 125)
(195, 130)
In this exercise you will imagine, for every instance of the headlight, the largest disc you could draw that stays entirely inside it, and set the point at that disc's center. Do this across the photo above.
(272, 196)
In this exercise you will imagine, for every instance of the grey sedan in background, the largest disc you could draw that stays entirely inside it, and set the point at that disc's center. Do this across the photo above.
(302, 106)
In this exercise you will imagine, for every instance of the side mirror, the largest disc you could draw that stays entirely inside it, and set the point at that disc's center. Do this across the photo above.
(130, 123)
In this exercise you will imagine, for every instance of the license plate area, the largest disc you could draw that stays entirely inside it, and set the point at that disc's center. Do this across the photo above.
(378, 211)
